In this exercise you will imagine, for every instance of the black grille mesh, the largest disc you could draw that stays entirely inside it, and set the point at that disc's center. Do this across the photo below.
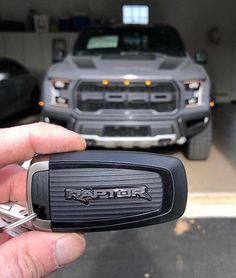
(162, 87)
(99, 100)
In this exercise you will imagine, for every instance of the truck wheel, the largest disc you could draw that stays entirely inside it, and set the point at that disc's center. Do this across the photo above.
(199, 145)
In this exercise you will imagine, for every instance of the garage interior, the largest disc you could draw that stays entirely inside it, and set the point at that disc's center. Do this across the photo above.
(214, 30)
(147, 252)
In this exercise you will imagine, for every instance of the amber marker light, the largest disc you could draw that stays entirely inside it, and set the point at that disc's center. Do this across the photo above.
(41, 103)
(105, 82)
(126, 82)
(148, 82)
(212, 104)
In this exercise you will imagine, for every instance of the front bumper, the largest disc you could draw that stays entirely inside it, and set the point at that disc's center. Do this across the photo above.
(162, 131)
(130, 142)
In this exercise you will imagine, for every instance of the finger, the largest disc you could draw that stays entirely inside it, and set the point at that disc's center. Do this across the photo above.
(13, 184)
(21, 143)
(36, 254)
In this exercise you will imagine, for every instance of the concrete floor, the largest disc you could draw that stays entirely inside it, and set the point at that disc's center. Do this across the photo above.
(186, 249)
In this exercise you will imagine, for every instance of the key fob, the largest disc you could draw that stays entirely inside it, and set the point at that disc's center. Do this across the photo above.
(105, 190)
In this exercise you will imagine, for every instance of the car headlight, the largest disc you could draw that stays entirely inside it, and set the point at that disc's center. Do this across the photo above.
(59, 95)
(193, 96)
(60, 84)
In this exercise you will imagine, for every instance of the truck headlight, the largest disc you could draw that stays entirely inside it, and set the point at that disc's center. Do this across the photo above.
(60, 84)
(192, 85)
(193, 96)
(59, 95)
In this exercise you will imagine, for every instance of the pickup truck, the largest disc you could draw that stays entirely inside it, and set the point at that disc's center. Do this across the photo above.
(132, 86)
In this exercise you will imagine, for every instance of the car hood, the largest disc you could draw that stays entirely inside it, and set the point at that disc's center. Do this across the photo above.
(128, 66)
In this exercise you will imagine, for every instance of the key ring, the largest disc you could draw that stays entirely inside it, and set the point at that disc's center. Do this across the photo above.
(18, 223)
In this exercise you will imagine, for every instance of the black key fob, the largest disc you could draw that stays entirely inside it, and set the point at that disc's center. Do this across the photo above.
(105, 190)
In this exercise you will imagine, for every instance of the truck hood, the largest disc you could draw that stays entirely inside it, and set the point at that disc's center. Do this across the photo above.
(128, 66)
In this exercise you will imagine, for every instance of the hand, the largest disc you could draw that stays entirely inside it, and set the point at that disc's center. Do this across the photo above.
(33, 254)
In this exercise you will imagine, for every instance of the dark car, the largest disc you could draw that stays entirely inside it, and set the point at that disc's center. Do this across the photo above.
(19, 90)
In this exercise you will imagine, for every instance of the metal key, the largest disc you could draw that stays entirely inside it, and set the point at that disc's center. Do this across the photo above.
(14, 219)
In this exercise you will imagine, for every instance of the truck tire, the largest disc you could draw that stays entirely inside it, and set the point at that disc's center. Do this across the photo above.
(199, 145)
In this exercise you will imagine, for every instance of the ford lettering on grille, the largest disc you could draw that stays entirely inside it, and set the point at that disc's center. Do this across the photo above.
(161, 97)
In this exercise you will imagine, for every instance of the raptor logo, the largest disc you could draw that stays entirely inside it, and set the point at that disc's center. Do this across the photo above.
(85, 195)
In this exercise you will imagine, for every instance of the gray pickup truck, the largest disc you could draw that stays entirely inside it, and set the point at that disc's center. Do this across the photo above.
(132, 86)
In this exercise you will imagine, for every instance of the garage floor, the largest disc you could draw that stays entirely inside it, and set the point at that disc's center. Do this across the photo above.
(190, 249)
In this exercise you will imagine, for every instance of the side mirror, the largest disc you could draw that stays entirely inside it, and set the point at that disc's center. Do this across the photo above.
(201, 57)
(59, 55)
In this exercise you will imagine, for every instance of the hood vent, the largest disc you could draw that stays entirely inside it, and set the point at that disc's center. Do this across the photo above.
(85, 63)
(171, 63)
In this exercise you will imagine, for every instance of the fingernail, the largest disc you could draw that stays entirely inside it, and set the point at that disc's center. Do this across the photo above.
(69, 248)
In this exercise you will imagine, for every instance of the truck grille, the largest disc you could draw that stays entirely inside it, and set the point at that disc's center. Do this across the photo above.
(161, 96)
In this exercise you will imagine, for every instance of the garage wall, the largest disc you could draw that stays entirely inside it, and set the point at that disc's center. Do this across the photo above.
(192, 18)
(34, 50)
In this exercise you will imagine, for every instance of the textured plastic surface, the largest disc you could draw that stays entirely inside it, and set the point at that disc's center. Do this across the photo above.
(103, 208)
(110, 190)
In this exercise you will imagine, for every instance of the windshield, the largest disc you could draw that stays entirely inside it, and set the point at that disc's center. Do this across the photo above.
(162, 40)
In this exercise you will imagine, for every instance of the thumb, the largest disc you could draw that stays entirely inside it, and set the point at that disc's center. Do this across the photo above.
(36, 254)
